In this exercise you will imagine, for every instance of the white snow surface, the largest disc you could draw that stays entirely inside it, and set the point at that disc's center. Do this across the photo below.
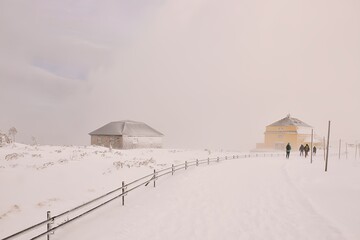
(246, 198)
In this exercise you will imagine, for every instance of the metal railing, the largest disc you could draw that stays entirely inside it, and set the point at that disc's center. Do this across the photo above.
(120, 192)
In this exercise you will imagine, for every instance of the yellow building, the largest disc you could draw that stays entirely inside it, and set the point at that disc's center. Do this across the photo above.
(287, 130)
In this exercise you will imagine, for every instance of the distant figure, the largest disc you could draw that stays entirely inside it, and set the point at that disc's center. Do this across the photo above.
(306, 149)
(288, 149)
(314, 150)
(301, 149)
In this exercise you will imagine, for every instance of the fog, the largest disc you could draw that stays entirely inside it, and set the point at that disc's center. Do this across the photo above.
(207, 74)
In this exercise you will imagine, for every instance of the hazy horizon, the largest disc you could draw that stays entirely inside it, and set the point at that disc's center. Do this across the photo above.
(206, 74)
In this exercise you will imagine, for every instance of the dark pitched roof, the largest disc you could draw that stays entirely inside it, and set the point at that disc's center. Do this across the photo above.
(127, 128)
(289, 121)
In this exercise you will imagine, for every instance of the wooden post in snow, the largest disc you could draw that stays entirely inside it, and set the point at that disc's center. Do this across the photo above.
(339, 148)
(154, 178)
(311, 148)
(123, 193)
(356, 147)
(327, 149)
(48, 227)
(346, 149)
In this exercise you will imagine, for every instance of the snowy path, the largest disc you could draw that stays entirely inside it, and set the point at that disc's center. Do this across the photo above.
(238, 199)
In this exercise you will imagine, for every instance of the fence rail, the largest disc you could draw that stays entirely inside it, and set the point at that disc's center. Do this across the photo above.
(121, 192)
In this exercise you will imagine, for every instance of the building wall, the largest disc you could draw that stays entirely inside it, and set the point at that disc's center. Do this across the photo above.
(142, 142)
(301, 139)
(105, 141)
(125, 142)
(276, 137)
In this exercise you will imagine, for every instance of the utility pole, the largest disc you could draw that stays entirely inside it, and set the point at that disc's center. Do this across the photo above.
(327, 149)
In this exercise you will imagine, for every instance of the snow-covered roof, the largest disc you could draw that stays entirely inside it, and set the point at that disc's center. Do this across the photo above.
(127, 128)
(289, 121)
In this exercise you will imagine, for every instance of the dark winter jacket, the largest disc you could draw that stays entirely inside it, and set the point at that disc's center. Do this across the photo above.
(307, 148)
(288, 147)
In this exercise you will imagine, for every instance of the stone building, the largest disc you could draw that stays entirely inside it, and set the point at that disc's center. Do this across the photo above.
(126, 135)
(287, 130)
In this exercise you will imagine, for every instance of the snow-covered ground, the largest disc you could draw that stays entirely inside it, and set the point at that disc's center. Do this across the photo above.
(247, 198)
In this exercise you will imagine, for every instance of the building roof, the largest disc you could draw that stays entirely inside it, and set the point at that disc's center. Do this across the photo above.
(289, 121)
(127, 128)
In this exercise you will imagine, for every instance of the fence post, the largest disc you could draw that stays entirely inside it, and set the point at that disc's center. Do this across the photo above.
(185, 165)
(154, 177)
(327, 148)
(346, 150)
(218, 159)
(48, 215)
(197, 162)
(208, 161)
(225, 157)
(172, 169)
(356, 147)
(339, 148)
(123, 191)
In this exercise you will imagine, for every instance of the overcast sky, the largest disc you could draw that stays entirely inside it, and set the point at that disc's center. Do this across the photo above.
(206, 73)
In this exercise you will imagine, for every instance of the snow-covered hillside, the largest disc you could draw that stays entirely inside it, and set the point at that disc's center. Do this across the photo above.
(247, 198)
(35, 179)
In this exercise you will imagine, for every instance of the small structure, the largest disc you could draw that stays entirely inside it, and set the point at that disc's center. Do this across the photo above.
(287, 130)
(126, 135)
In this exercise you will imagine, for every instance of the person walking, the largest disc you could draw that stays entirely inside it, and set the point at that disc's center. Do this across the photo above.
(301, 149)
(288, 149)
(314, 150)
(306, 149)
